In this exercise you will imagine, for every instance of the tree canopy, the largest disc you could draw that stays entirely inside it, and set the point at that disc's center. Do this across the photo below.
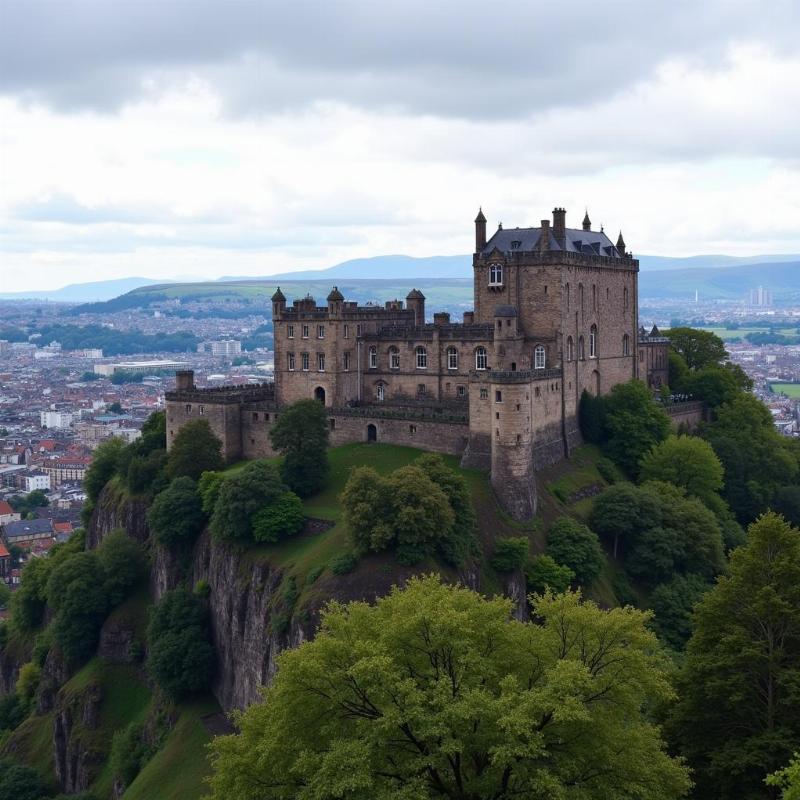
(176, 515)
(194, 450)
(698, 348)
(572, 544)
(435, 691)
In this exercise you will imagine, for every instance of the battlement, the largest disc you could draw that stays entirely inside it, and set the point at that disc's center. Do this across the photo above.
(225, 395)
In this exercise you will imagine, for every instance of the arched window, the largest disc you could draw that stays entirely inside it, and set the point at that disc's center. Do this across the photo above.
(452, 358)
(380, 392)
(539, 357)
(566, 295)
(496, 275)
(569, 348)
(594, 297)
(422, 358)
(625, 299)
(580, 295)
(581, 351)
(373, 357)
(394, 358)
(593, 341)
(480, 358)
(626, 345)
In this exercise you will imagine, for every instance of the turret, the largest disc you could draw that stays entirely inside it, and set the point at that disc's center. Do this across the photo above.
(480, 231)
(415, 301)
(621, 244)
(560, 225)
(335, 300)
(184, 380)
(587, 223)
(278, 304)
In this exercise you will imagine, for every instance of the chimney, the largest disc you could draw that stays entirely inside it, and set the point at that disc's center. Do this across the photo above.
(560, 225)
(544, 239)
(480, 231)
(441, 318)
(184, 380)
(469, 317)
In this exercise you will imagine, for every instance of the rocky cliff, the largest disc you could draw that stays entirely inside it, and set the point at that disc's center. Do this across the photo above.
(116, 509)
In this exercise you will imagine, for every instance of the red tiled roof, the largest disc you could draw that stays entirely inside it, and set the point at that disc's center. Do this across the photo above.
(63, 527)
(4, 551)
(5, 508)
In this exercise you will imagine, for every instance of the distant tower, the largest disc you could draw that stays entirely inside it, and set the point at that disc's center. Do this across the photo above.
(587, 223)
(415, 301)
(621, 244)
(480, 231)
(278, 304)
(335, 300)
(560, 225)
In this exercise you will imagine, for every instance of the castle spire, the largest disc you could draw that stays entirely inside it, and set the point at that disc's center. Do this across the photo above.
(480, 231)
(621, 244)
(587, 223)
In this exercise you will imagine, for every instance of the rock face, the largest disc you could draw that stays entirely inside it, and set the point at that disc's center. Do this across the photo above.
(242, 599)
(76, 764)
(116, 510)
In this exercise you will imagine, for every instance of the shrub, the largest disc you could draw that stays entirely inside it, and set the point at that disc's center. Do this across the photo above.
(12, 712)
(609, 471)
(543, 572)
(202, 589)
(176, 515)
(284, 517)
(314, 574)
(124, 563)
(181, 658)
(105, 462)
(343, 563)
(510, 554)
(28, 680)
(572, 544)
(208, 486)
(194, 450)
(129, 753)
(20, 783)
(672, 604)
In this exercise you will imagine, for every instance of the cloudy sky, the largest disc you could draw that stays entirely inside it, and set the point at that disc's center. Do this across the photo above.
(169, 138)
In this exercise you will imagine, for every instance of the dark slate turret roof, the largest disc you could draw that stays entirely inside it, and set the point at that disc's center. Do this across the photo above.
(577, 241)
(335, 294)
(480, 217)
(505, 311)
(278, 296)
(415, 294)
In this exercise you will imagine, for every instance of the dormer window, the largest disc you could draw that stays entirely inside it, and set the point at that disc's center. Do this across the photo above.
(496, 275)
(516, 245)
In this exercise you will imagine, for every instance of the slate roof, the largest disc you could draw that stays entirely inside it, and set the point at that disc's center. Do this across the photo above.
(27, 528)
(593, 243)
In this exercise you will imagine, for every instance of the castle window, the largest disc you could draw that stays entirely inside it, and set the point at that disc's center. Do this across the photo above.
(625, 299)
(373, 357)
(290, 361)
(497, 415)
(481, 359)
(581, 350)
(539, 357)
(498, 396)
(519, 438)
(359, 329)
(332, 423)
(321, 362)
(580, 295)
(422, 358)
(593, 342)
(484, 393)
(513, 366)
(566, 295)
(420, 390)
(412, 428)
(394, 358)
(452, 358)
(320, 331)
(545, 289)
(461, 391)
(515, 245)
(255, 416)
(304, 359)
(202, 410)
(188, 408)
(496, 275)
(290, 331)
(266, 417)
(305, 331)
(641, 355)
(380, 392)
(346, 360)
(569, 348)
(626, 345)
(346, 331)
(594, 297)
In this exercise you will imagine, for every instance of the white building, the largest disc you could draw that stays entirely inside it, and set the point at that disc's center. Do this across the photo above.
(139, 366)
(37, 481)
(224, 347)
(57, 419)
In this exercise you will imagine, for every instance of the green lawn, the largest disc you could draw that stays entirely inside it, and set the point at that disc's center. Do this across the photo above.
(789, 389)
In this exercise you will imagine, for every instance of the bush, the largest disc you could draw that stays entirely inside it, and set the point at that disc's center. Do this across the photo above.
(284, 517)
(124, 563)
(672, 604)
(202, 589)
(572, 544)
(609, 471)
(104, 465)
(194, 450)
(180, 658)
(28, 680)
(129, 753)
(176, 516)
(20, 783)
(510, 554)
(314, 574)
(208, 486)
(543, 572)
(12, 711)
(343, 563)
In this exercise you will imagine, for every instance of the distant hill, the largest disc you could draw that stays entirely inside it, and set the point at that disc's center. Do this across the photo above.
(83, 292)
(653, 263)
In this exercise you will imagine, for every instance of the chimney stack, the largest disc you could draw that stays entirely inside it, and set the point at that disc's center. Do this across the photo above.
(560, 225)
(184, 380)
(480, 231)
(544, 239)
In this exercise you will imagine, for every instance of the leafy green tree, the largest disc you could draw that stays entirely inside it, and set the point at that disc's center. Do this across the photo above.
(301, 435)
(124, 562)
(18, 782)
(677, 371)
(685, 461)
(672, 605)
(714, 385)
(787, 779)
(736, 717)
(13, 711)
(28, 680)
(180, 656)
(543, 572)
(29, 601)
(129, 753)
(698, 348)
(367, 508)
(510, 554)
(208, 486)
(5, 595)
(146, 474)
(435, 691)
(284, 517)
(104, 465)
(176, 515)
(241, 496)
(621, 512)
(655, 556)
(634, 423)
(194, 450)
(787, 503)
(572, 544)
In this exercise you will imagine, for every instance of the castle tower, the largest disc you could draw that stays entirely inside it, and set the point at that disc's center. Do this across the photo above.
(415, 301)
(480, 231)
(278, 304)
(335, 300)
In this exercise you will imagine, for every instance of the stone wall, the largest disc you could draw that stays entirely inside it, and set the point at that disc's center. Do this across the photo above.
(686, 416)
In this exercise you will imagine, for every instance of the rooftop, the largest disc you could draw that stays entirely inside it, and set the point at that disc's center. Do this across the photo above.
(591, 243)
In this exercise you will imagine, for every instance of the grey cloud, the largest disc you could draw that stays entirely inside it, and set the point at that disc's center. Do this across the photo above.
(463, 59)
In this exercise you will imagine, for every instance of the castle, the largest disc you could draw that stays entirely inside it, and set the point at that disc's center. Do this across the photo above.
(555, 313)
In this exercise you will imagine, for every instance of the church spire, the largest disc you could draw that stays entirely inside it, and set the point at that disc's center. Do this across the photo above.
(587, 223)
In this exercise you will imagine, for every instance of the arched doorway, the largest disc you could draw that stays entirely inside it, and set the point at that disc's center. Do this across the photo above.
(319, 394)
(372, 433)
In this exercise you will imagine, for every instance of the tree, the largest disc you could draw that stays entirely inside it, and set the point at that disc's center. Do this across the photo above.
(103, 467)
(788, 779)
(686, 461)
(28, 602)
(572, 544)
(591, 413)
(301, 435)
(180, 657)
(19, 782)
(367, 508)
(736, 717)
(543, 572)
(115, 408)
(787, 503)
(176, 515)
(622, 511)
(194, 450)
(714, 385)
(634, 423)
(284, 517)
(241, 496)
(435, 691)
(510, 554)
(208, 486)
(698, 348)
(124, 562)
(672, 605)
